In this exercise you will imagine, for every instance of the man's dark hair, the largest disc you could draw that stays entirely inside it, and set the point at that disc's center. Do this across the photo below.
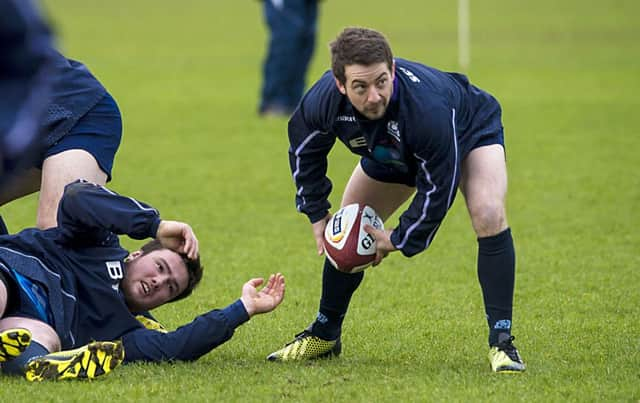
(194, 269)
(358, 46)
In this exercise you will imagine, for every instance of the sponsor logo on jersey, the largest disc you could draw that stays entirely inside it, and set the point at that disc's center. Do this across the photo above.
(393, 130)
(358, 142)
(345, 118)
(409, 74)
(115, 272)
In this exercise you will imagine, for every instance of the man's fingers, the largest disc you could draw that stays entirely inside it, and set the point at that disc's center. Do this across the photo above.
(372, 231)
(255, 282)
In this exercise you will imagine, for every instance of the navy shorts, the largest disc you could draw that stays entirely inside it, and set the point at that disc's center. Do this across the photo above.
(390, 174)
(98, 132)
(32, 302)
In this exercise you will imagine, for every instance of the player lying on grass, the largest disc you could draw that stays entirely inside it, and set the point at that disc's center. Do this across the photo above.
(67, 286)
(421, 132)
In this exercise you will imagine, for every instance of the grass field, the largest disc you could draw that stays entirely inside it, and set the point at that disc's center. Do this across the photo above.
(187, 74)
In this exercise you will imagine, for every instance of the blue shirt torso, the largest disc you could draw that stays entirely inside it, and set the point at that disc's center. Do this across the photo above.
(432, 122)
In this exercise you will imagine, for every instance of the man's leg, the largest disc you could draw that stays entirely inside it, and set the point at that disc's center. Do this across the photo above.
(59, 170)
(484, 185)
(338, 287)
(323, 336)
(304, 46)
(13, 342)
(40, 358)
(36, 339)
(285, 20)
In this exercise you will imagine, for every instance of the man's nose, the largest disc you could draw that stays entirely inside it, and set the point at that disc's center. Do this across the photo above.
(373, 95)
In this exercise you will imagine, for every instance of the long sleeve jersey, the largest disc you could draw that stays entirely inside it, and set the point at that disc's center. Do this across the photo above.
(433, 120)
(79, 265)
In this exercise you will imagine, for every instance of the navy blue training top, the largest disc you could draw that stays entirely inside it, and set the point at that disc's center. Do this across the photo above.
(80, 263)
(433, 120)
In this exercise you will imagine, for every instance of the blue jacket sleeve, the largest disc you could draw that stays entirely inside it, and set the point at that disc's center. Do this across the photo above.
(92, 214)
(438, 174)
(188, 342)
(310, 141)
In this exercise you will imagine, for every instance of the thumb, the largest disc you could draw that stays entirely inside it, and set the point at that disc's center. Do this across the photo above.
(369, 229)
(255, 282)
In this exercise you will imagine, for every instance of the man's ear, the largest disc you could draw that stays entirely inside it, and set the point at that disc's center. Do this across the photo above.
(341, 87)
(393, 70)
(133, 255)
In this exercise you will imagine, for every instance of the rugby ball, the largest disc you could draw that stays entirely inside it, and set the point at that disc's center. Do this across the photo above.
(347, 245)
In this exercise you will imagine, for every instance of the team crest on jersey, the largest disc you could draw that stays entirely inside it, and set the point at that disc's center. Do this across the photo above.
(393, 130)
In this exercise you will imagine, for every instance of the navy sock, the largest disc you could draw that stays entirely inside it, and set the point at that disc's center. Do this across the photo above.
(337, 289)
(496, 272)
(18, 364)
(3, 227)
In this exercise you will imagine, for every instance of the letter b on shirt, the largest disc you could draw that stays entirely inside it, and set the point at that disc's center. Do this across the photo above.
(115, 270)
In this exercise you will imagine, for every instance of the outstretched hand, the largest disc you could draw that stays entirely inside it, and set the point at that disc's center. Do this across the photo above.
(178, 237)
(383, 242)
(265, 300)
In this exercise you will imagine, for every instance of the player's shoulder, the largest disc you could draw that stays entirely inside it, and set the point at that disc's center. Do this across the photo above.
(324, 90)
(321, 103)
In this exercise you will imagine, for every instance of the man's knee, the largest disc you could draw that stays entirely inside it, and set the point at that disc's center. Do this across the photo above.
(41, 332)
(488, 218)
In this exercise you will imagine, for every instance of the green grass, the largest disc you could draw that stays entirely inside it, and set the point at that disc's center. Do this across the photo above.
(187, 74)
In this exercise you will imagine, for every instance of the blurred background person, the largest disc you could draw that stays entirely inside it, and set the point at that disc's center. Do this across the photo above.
(25, 83)
(292, 26)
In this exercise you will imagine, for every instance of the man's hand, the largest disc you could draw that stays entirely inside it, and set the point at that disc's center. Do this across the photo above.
(265, 300)
(178, 237)
(383, 242)
(318, 233)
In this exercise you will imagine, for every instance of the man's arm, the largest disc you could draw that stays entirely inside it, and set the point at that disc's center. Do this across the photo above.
(90, 213)
(310, 142)
(437, 178)
(207, 331)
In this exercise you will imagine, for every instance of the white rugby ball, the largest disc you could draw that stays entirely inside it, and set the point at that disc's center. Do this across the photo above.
(346, 244)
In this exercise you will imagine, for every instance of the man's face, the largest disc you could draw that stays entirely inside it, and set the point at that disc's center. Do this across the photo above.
(369, 88)
(153, 279)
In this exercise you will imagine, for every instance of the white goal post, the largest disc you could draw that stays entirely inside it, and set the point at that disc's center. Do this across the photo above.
(464, 51)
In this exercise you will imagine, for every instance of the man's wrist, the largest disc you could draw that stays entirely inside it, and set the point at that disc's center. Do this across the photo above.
(248, 306)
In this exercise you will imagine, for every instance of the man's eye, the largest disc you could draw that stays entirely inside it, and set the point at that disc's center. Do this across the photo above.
(159, 267)
(382, 82)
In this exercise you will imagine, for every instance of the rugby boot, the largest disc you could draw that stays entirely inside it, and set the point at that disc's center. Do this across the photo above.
(87, 362)
(306, 346)
(13, 342)
(504, 357)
